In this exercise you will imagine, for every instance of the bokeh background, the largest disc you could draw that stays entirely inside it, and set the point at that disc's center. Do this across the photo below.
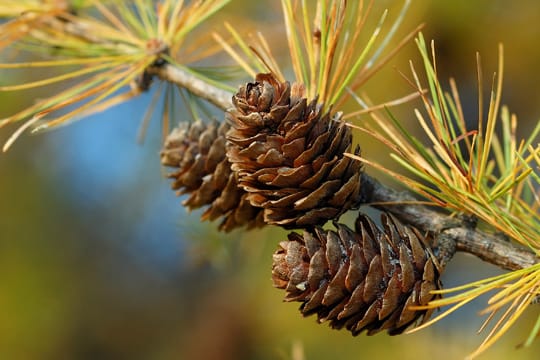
(98, 259)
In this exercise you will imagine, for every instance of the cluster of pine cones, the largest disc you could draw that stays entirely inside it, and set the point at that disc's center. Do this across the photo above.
(278, 159)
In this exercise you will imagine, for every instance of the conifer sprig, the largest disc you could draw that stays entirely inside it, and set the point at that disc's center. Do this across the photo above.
(475, 172)
(103, 53)
(516, 291)
(470, 171)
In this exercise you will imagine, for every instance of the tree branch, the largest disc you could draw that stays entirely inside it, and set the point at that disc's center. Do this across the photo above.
(488, 247)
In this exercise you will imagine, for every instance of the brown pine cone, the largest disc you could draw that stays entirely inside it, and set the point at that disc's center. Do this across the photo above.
(289, 154)
(197, 151)
(361, 280)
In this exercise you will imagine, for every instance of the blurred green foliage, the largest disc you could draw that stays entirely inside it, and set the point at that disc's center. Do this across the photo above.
(81, 278)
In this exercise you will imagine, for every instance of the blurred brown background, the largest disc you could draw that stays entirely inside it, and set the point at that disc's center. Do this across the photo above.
(98, 260)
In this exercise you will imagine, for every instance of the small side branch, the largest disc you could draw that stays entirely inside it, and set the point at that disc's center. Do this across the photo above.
(218, 97)
(492, 249)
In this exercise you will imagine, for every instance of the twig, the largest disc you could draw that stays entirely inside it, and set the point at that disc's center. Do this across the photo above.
(488, 247)
(218, 97)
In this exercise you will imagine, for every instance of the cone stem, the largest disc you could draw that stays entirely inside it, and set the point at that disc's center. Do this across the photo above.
(488, 247)
(200, 88)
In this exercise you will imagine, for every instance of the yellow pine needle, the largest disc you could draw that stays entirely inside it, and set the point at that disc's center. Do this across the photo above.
(511, 292)
(360, 60)
(460, 116)
(293, 42)
(400, 101)
(201, 49)
(104, 34)
(347, 53)
(239, 41)
(176, 20)
(406, 145)
(483, 284)
(19, 131)
(504, 323)
(443, 153)
(144, 10)
(486, 322)
(268, 58)
(438, 317)
(77, 93)
(424, 191)
(367, 72)
(105, 105)
(167, 114)
(18, 28)
(492, 118)
(65, 62)
(175, 15)
(55, 79)
(524, 286)
(170, 19)
(510, 181)
(133, 16)
(192, 17)
(15, 8)
(113, 19)
(236, 57)
(312, 44)
(59, 98)
(162, 21)
(535, 333)
(40, 106)
(260, 57)
(141, 134)
(396, 146)
(111, 85)
(330, 40)
(254, 64)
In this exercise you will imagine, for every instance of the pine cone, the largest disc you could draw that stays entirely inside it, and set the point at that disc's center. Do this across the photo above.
(197, 150)
(289, 154)
(363, 280)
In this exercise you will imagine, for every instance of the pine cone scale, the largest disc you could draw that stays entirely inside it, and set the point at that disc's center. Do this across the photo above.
(293, 148)
(315, 216)
(290, 177)
(357, 269)
(315, 301)
(320, 174)
(374, 279)
(391, 298)
(336, 290)
(313, 198)
(348, 190)
(313, 151)
(317, 271)
(288, 200)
